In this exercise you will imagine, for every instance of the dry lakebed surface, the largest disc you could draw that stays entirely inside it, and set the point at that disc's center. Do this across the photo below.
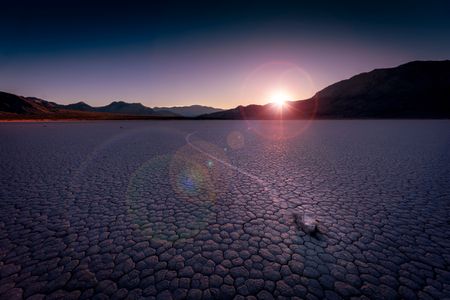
(208, 209)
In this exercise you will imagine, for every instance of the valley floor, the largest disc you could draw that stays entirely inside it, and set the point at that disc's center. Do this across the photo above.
(205, 209)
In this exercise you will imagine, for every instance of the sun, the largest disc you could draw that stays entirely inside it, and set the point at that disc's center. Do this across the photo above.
(279, 102)
(279, 98)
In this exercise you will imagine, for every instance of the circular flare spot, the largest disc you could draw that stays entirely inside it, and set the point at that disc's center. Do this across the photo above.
(172, 197)
(235, 140)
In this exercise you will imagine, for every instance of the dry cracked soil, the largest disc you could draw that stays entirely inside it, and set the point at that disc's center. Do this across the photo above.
(206, 210)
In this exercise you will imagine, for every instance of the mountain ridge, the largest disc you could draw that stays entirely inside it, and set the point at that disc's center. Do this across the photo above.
(418, 89)
(20, 107)
(397, 92)
(33, 106)
(120, 107)
(189, 110)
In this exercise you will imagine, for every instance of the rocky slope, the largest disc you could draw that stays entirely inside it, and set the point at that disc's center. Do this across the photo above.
(419, 89)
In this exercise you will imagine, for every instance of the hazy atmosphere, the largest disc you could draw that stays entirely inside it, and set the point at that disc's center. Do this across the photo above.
(208, 53)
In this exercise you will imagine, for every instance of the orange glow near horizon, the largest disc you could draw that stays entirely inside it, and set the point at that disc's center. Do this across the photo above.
(279, 98)
(276, 82)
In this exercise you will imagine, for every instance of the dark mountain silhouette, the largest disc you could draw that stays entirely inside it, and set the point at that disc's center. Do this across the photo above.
(189, 111)
(419, 89)
(10, 103)
(121, 107)
(19, 107)
(126, 108)
(82, 106)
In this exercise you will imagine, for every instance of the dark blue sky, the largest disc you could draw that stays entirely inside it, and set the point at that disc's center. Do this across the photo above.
(220, 54)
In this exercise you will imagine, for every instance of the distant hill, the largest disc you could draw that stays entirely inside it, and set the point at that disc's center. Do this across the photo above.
(419, 89)
(10, 103)
(19, 107)
(13, 106)
(189, 111)
(121, 107)
(79, 106)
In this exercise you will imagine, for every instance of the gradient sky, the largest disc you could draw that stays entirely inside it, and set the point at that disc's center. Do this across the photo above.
(217, 54)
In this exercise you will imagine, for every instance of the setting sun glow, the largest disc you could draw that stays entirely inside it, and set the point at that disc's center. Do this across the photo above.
(279, 98)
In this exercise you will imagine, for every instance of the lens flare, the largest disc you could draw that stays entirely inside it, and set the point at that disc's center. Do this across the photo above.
(190, 178)
(281, 83)
(279, 98)
(172, 197)
(235, 140)
(167, 206)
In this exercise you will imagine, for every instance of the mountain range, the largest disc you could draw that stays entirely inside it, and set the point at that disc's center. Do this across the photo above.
(189, 111)
(13, 107)
(419, 89)
(121, 107)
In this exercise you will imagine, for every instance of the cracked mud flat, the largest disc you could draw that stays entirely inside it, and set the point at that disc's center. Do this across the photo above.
(205, 209)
